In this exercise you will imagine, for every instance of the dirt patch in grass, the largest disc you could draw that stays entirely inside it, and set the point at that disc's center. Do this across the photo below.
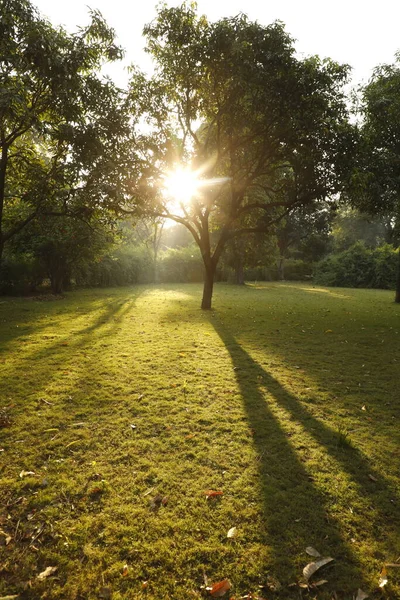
(120, 410)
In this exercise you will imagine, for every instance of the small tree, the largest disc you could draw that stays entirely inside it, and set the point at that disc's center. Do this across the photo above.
(270, 133)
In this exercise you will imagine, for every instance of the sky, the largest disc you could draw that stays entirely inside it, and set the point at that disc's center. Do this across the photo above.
(356, 32)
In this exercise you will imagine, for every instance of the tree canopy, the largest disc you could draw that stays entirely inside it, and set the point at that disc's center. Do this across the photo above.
(61, 123)
(375, 182)
(263, 130)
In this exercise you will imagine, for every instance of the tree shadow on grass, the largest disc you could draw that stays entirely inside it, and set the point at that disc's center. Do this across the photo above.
(42, 365)
(297, 513)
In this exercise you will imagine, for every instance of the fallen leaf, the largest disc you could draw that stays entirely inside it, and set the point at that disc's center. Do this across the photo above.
(232, 532)
(312, 551)
(158, 501)
(364, 408)
(26, 474)
(361, 595)
(383, 578)
(46, 573)
(273, 584)
(125, 570)
(145, 585)
(220, 588)
(213, 493)
(328, 331)
(320, 582)
(313, 567)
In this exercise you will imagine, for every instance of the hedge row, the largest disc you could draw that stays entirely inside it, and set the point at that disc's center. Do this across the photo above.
(359, 266)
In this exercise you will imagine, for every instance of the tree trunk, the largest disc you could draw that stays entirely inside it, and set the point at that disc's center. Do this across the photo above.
(155, 266)
(1, 249)
(3, 169)
(208, 287)
(281, 268)
(397, 296)
(239, 272)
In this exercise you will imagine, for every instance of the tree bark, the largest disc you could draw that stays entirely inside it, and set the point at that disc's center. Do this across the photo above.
(3, 168)
(239, 272)
(281, 268)
(209, 274)
(397, 296)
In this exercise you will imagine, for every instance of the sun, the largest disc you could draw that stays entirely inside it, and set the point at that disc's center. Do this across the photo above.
(181, 185)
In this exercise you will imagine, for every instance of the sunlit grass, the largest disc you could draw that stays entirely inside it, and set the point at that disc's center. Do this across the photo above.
(285, 398)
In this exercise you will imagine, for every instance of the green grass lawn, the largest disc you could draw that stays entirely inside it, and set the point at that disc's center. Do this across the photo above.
(128, 404)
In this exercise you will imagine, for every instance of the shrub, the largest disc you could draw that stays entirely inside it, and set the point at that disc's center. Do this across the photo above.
(181, 265)
(20, 274)
(125, 266)
(359, 266)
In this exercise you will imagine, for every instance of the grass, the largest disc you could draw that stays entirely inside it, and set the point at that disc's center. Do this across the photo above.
(129, 404)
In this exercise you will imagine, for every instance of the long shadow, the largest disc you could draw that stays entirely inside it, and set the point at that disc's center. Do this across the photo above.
(41, 363)
(297, 513)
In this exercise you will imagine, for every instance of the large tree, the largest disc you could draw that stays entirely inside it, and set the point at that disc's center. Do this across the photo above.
(262, 129)
(62, 126)
(375, 183)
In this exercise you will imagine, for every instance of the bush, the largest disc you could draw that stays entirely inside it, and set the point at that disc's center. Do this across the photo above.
(359, 266)
(295, 270)
(125, 266)
(20, 274)
(181, 265)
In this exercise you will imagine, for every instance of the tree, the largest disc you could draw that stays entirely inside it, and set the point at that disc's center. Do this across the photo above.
(306, 229)
(262, 129)
(61, 246)
(61, 125)
(375, 183)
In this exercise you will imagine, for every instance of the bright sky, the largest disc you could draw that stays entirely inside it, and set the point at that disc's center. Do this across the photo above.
(360, 33)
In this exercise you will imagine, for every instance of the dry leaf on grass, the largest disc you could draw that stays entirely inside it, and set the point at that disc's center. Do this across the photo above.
(273, 583)
(232, 532)
(46, 573)
(72, 443)
(313, 567)
(158, 501)
(312, 552)
(213, 493)
(383, 578)
(26, 474)
(220, 588)
(361, 595)
(125, 570)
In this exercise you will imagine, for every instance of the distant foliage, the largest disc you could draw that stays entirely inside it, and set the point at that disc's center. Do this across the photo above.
(181, 265)
(131, 265)
(295, 270)
(125, 266)
(359, 266)
(20, 274)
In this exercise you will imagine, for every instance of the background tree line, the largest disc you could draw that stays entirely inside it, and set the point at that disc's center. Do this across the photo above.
(293, 188)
